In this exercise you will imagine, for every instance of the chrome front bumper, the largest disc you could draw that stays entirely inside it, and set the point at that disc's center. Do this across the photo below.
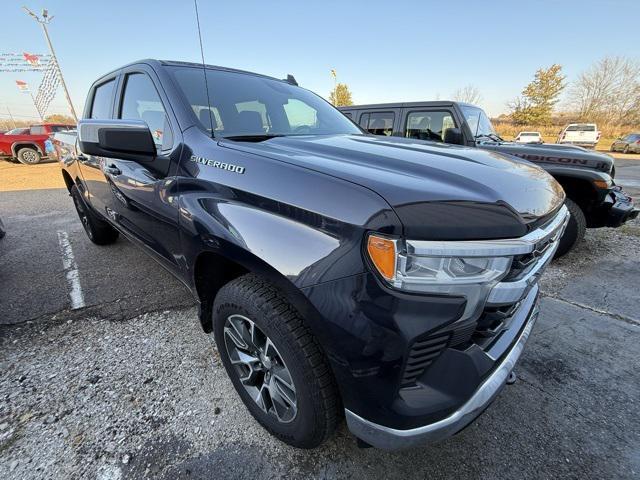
(387, 438)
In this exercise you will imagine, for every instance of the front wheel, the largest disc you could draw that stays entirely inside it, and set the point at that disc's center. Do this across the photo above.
(98, 230)
(575, 230)
(28, 156)
(275, 363)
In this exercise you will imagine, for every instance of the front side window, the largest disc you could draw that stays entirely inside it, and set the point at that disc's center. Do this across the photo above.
(378, 123)
(102, 98)
(248, 105)
(142, 102)
(430, 125)
(478, 122)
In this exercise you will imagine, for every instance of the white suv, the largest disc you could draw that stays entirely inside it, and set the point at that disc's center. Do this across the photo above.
(582, 134)
(528, 137)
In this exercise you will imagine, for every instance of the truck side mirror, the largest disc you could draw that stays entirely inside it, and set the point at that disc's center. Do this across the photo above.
(125, 139)
(453, 136)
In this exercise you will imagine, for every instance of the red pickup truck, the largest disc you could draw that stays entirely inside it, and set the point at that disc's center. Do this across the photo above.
(28, 145)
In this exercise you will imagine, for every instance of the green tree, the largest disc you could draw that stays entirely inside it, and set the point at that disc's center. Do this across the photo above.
(341, 96)
(539, 97)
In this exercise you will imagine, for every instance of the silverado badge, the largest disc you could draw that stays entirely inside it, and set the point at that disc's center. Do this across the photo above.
(214, 163)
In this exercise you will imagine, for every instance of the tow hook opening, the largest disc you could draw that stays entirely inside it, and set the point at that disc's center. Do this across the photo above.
(512, 378)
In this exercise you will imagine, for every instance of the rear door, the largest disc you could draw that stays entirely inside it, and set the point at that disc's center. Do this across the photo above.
(97, 191)
(143, 199)
(428, 123)
(383, 122)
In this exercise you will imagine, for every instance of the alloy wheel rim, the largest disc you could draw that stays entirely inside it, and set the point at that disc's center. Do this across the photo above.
(260, 368)
(29, 156)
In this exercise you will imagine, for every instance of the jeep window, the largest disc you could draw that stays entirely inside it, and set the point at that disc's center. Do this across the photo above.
(102, 97)
(429, 125)
(37, 130)
(378, 123)
(478, 121)
(142, 102)
(253, 106)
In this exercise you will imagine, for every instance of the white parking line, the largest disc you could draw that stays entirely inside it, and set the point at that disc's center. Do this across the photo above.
(71, 270)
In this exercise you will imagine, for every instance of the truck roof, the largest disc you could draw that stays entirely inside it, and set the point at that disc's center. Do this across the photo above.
(156, 62)
(435, 103)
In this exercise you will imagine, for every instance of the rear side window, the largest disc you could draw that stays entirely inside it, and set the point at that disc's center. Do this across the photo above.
(37, 130)
(142, 102)
(102, 98)
(378, 123)
(430, 125)
(581, 128)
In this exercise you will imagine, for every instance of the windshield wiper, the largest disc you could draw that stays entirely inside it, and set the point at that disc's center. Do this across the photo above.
(490, 136)
(256, 137)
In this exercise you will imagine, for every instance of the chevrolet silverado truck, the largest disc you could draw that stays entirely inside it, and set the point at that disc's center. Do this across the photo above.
(386, 280)
(31, 146)
(587, 177)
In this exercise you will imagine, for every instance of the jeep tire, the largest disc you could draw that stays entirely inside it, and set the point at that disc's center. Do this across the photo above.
(574, 233)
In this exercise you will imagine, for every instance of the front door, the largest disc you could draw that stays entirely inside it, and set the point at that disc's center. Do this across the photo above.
(143, 200)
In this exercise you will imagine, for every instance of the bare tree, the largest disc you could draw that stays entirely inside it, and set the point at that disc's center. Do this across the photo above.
(608, 92)
(468, 94)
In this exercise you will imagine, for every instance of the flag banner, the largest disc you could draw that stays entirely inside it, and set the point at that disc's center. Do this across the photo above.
(22, 86)
(48, 87)
(24, 62)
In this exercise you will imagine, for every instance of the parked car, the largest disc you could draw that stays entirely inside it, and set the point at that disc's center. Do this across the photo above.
(581, 134)
(593, 198)
(627, 144)
(29, 147)
(340, 273)
(528, 137)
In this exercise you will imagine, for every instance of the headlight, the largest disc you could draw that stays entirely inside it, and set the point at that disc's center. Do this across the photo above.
(452, 270)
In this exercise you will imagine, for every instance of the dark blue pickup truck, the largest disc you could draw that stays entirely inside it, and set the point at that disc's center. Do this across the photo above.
(390, 281)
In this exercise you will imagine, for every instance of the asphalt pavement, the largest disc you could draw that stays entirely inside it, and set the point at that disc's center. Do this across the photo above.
(109, 391)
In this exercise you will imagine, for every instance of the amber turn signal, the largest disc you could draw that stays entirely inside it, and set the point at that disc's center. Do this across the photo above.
(382, 253)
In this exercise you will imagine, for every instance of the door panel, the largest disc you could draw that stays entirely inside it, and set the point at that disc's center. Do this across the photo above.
(143, 198)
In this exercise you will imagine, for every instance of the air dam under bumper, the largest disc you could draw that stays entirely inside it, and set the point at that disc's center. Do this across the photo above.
(387, 438)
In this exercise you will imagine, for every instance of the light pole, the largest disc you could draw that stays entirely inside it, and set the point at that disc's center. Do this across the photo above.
(44, 21)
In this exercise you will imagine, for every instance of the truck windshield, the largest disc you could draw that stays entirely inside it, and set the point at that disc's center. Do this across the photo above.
(479, 123)
(248, 106)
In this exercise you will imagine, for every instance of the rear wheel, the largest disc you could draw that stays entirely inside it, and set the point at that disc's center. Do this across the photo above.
(98, 231)
(28, 156)
(275, 363)
(575, 230)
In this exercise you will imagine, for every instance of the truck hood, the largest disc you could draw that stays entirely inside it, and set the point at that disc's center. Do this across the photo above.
(438, 191)
(552, 154)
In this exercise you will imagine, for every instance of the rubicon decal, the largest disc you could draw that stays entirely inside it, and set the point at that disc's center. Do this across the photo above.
(216, 164)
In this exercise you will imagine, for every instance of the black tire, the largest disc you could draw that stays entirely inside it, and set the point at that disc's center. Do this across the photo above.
(98, 230)
(315, 392)
(28, 156)
(2, 230)
(575, 230)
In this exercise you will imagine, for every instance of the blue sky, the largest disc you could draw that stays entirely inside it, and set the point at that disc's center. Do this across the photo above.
(385, 51)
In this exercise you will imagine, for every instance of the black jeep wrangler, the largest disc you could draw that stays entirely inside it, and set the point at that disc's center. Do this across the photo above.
(593, 198)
